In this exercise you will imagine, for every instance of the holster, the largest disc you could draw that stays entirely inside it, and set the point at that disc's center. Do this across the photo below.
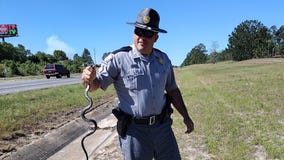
(123, 120)
(168, 110)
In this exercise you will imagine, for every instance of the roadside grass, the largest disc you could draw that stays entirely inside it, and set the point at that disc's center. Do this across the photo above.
(17, 78)
(237, 107)
(23, 111)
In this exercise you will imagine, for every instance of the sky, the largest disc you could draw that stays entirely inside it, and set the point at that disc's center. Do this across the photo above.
(100, 25)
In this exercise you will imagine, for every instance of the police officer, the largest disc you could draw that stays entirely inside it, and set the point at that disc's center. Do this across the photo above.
(141, 76)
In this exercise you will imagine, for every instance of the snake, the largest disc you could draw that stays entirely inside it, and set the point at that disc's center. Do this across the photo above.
(92, 123)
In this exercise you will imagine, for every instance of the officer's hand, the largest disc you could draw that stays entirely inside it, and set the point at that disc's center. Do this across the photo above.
(88, 76)
(189, 124)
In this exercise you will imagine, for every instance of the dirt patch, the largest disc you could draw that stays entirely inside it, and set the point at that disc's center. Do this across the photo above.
(260, 153)
(110, 151)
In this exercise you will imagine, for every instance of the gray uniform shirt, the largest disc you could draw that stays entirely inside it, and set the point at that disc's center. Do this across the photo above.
(140, 81)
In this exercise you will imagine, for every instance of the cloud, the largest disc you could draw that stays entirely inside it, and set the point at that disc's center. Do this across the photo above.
(54, 43)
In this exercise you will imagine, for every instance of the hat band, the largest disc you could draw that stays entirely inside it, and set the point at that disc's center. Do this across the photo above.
(146, 27)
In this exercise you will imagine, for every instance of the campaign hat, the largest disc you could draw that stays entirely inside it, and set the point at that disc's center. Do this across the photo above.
(148, 19)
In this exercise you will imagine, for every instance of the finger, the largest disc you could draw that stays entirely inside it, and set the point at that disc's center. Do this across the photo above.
(84, 84)
(89, 68)
(94, 68)
(87, 71)
(85, 76)
(85, 79)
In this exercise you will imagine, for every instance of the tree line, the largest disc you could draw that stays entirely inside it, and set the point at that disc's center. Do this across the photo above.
(250, 39)
(18, 61)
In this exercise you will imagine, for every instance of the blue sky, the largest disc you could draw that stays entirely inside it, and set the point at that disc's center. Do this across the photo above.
(100, 25)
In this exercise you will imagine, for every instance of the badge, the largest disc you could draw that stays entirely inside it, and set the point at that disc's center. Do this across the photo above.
(146, 19)
(161, 61)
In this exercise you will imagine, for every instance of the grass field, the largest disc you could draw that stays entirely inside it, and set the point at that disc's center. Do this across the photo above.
(27, 111)
(237, 107)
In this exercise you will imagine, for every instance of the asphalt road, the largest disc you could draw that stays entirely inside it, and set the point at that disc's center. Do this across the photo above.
(11, 87)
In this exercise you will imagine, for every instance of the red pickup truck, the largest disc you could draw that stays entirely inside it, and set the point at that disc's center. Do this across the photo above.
(55, 70)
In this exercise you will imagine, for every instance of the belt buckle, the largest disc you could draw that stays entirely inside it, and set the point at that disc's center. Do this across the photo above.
(152, 120)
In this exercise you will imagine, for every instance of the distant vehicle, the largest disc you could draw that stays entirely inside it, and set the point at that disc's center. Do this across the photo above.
(55, 70)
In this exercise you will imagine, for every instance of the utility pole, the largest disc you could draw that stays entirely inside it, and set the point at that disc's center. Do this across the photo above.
(95, 62)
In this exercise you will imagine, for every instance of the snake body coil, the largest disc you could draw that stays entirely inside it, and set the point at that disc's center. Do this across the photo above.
(92, 122)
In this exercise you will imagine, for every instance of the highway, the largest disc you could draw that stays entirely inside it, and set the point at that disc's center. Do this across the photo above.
(11, 87)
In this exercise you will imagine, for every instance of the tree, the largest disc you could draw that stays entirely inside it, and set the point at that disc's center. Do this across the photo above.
(2, 55)
(50, 58)
(21, 53)
(278, 39)
(7, 51)
(263, 46)
(60, 55)
(196, 56)
(14, 69)
(76, 56)
(225, 55)
(249, 40)
(213, 56)
(41, 57)
(87, 57)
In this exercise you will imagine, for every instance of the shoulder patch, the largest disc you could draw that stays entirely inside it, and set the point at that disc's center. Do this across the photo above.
(111, 55)
(162, 57)
(123, 49)
(108, 58)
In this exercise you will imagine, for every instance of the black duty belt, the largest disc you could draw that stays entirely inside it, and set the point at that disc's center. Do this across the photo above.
(148, 120)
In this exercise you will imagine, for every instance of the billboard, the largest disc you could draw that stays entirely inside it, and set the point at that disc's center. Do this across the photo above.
(8, 30)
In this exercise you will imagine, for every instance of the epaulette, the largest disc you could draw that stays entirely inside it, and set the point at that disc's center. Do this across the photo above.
(123, 49)
(158, 50)
(111, 55)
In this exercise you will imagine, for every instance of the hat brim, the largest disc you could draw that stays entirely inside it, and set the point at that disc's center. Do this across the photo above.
(146, 27)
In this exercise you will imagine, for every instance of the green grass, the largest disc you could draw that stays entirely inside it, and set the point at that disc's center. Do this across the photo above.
(21, 111)
(17, 78)
(236, 106)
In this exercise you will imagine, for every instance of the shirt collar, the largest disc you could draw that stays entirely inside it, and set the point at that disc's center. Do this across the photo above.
(137, 54)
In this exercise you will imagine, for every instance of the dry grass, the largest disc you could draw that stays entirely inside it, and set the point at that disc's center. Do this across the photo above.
(237, 107)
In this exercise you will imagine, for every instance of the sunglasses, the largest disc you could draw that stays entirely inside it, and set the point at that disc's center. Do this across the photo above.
(143, 32)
